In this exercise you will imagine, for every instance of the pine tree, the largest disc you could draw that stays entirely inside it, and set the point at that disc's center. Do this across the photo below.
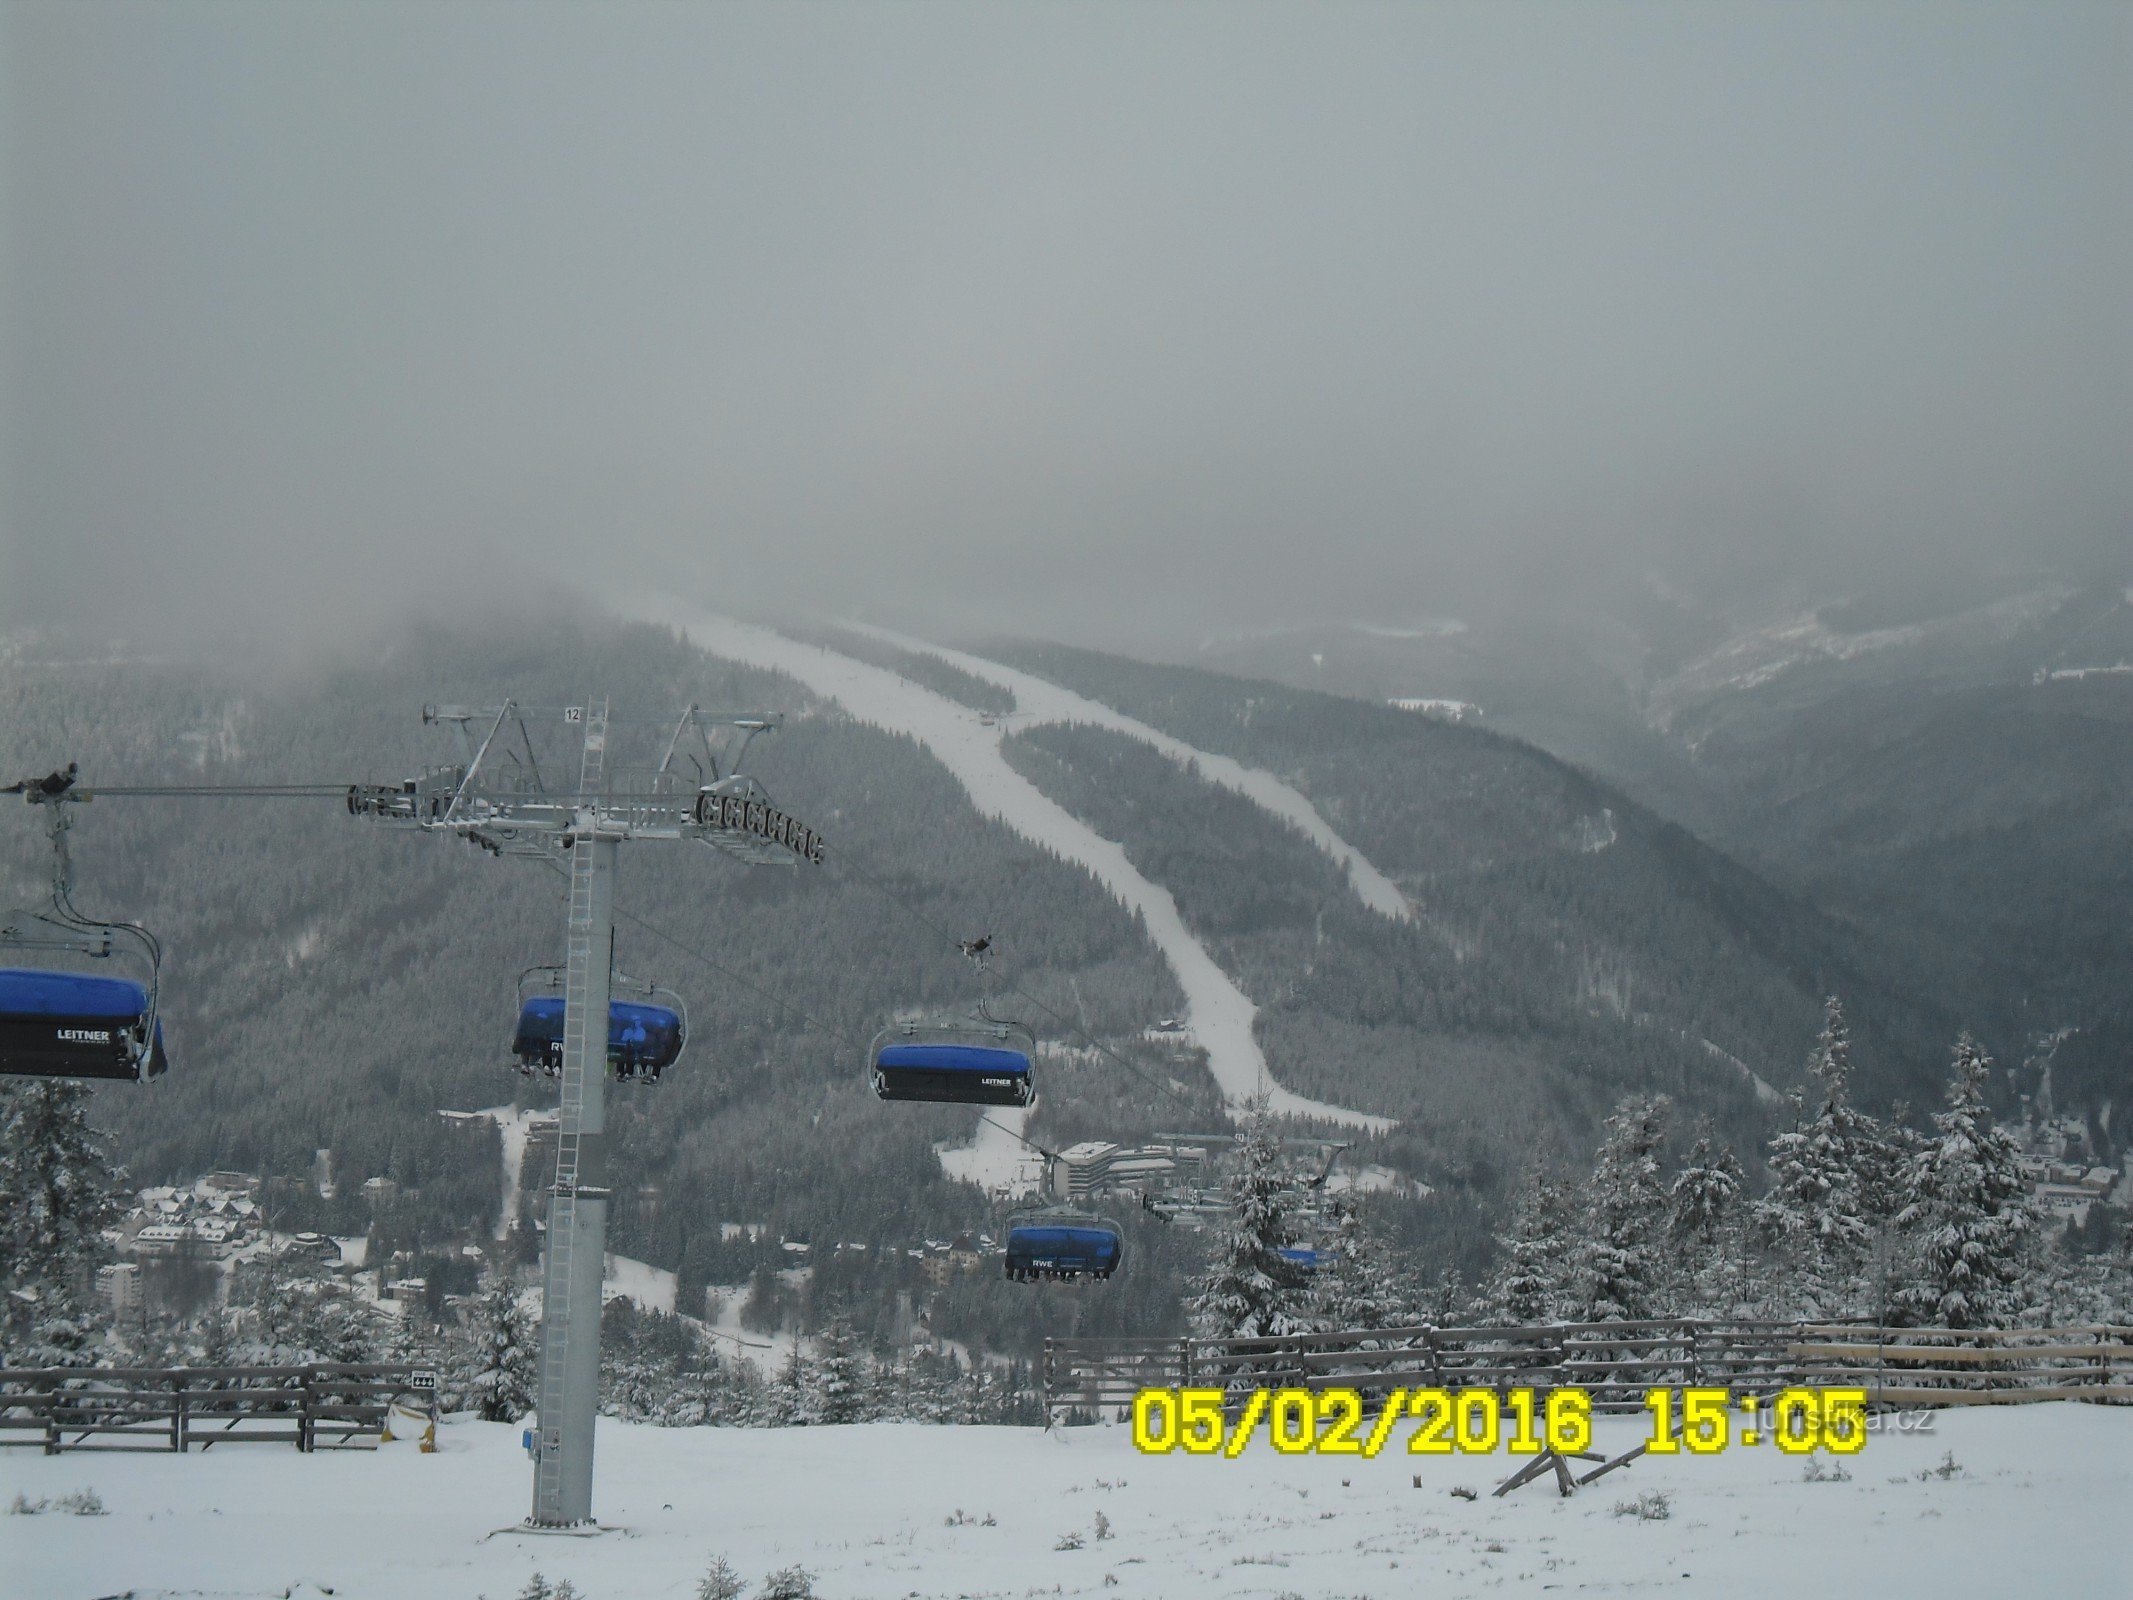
(720, 1581)
(1535, 1277)
(1361, 1290)
(1969, 1208)
(503, 1385)
(1833, 1181)
(791, 1399)
(840, 1376)
(57, 1194)
(702, 1397)
(929, 1385)
(1623, 1277)
(1703, 1226)
(1251, 1291)
(341, 1331)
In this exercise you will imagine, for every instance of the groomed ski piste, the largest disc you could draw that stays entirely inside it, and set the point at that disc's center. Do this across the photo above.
(1218, 1011)
(886, 1511)
(1037, 701)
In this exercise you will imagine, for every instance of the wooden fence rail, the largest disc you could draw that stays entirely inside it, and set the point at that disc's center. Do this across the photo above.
(1615, 1361)
(327, 1406)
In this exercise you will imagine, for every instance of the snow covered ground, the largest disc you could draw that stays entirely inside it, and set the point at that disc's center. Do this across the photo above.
(1219, 1012)
(899, 1510)
(996, 1159)
(630, 1279)
(1038, 700)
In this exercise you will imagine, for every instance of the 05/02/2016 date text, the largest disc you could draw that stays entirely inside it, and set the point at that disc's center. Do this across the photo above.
(1339, 1422)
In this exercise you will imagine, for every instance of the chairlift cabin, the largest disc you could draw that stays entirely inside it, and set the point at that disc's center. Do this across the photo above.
(73, 1025)
(56, 1022)
(1308, 1257)
(644, 1037)
(978, 1063)
(1057, 1244)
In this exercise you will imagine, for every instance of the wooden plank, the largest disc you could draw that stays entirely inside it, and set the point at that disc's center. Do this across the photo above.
(1965, 1377)
(1969, 1335)
(2006, 1355)
(1895, 1395)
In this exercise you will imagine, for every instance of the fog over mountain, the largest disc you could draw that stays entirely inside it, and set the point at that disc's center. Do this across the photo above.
(1128, 325)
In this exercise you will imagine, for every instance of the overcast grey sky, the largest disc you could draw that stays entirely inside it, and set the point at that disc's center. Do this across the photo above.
(1097, 319)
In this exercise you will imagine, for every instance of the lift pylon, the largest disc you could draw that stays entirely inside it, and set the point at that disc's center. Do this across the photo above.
(510, 810)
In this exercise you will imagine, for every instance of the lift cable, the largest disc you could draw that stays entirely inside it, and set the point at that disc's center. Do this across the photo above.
(844, 855)
(841, 1034)
(327, 791)
(222, 791)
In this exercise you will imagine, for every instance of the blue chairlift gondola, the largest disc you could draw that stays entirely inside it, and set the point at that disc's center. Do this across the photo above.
(64, 1024)
(974, 1063)
(72, 1025)
(1308, 1257)
(1057, 1243)
(644, 1037)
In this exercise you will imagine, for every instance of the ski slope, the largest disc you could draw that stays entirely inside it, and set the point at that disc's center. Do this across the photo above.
(872, 1512)
(511, 1125)
(996, 1159)
(1038, 700)
(1219, 1012)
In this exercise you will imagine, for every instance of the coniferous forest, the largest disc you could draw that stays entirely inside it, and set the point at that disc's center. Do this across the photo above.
(1621, 1085)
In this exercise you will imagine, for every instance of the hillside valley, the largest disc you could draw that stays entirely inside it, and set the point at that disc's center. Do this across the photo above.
(334, 985)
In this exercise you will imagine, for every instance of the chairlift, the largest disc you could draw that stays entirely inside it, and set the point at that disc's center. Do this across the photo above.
(1308, 1257)
(57, 1023)
(980, 1062)
(975, 1061)
(644, 1037)
(1061, 1244)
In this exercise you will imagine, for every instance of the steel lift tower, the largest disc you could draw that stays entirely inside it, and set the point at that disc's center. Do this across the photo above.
(501, 802)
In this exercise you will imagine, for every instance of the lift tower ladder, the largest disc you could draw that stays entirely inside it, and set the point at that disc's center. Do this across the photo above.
(508, 810)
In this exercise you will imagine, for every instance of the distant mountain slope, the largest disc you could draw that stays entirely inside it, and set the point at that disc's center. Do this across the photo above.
(1945, 768)
(970, 748)
(1550, 907)
(1966, 801)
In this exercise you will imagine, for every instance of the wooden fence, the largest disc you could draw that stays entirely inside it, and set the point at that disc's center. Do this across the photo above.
(330, 1406)
(1616, 1362)
(1987, 1366)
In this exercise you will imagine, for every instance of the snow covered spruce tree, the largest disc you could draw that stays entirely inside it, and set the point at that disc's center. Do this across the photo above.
(1623, 1276)
(791, 1401)
(1362, 1290)
(1833, 1183)
(841, 1386)
(505, 1354)
(1969, 1210)
(1251, 1290)
(57, 1194)
(1703, 1230)
(1535, 1277)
